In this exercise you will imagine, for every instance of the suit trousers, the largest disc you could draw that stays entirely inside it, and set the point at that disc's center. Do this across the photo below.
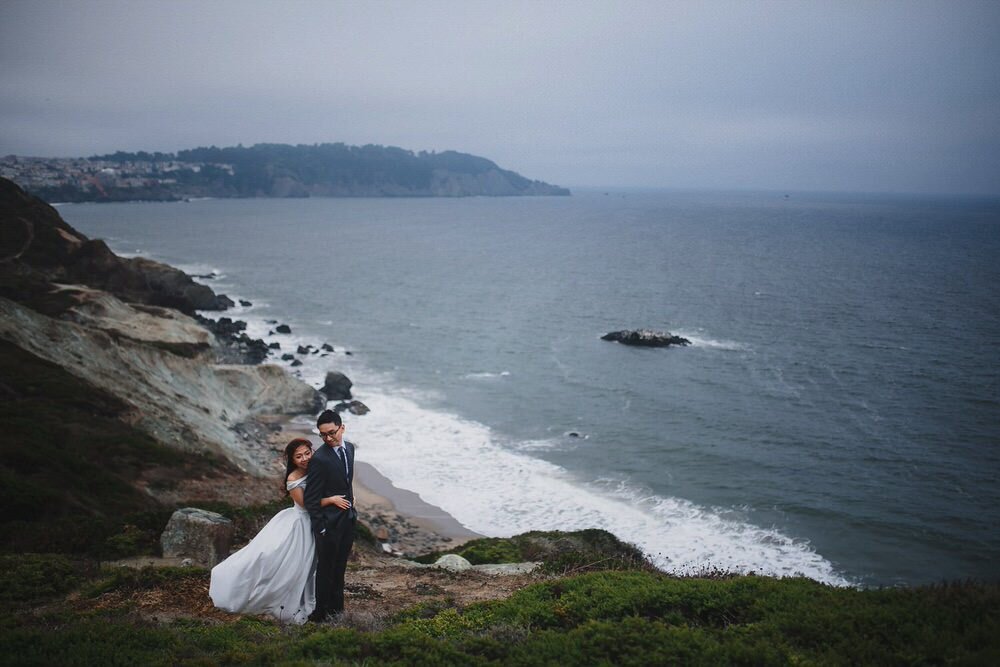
(332, 551)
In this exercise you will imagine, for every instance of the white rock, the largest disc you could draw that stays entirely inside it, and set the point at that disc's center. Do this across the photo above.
(452, 562)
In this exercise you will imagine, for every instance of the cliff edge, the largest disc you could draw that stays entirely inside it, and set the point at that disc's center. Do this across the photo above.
(124, 326)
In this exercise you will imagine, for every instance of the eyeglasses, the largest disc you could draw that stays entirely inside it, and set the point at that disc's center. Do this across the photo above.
(331, 433)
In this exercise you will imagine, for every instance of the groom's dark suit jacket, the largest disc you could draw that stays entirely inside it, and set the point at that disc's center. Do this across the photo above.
(326, 477)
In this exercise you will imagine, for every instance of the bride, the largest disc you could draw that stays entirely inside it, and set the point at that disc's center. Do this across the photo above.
(275, 572)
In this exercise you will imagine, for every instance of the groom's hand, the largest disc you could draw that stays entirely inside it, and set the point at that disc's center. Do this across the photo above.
(341, 502)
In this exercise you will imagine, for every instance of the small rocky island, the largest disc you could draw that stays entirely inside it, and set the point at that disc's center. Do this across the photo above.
(645, 338)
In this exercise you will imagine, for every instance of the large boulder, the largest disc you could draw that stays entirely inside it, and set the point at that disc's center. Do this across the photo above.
(337, 386)
(202, 536)
(645, 338)
(452, 562)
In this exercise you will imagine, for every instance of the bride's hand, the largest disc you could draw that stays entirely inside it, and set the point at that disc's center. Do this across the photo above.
(338, 501)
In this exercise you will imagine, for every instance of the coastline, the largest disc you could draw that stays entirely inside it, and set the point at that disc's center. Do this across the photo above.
(412, 525)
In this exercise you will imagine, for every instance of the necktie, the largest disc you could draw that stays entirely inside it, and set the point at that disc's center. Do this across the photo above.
(343, 460)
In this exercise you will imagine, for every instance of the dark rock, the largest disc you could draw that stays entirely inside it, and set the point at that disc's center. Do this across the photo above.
(254, 349)
(297, 362)
(283, 328)
(326, 347)
(348, 353)
(304, 349)
(337, 386)
(39, 248)
(270, 321)
(222, 302)
(358, 408)
(237, 347)
(274, 346)
(224, 326)
(645, 338)
(354, 407)
(287, 357)
(245, 303)
(573, 434)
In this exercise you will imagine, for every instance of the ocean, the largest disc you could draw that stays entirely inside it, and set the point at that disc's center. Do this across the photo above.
(837, 416)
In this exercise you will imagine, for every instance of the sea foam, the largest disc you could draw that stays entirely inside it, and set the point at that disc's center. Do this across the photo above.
(497, 488)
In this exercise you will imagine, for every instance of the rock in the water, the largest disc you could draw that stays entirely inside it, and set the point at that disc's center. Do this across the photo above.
(452, 562)
(297, 362)
(354, 407)
(304, 349)
(203, 536)
(223, 302)
(245, 303)
(327, 347)
(645, 338)
(274, 346)
(283, 328)
(337, 386)
(287, 357)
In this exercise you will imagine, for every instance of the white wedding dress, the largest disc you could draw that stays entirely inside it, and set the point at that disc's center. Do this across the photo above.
(275, 573)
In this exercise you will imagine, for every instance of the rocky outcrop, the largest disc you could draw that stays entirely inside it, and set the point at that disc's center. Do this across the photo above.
(161, 327)
(37, 247)
(337, 386)
(234, 346)
(645, 338)
(120, 326)
(188, 403)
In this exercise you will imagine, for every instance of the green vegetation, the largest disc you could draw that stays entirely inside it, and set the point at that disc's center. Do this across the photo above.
(27, 578)
(561, 552)
(621, 617)
(67, 464)
(282, 170)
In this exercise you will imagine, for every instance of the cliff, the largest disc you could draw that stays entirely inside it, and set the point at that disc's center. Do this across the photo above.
(120, 326)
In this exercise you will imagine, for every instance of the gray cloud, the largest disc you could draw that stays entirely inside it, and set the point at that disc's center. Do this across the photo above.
(888, 96)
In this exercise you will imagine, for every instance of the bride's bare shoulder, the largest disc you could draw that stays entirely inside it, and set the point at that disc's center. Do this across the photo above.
(295, 475)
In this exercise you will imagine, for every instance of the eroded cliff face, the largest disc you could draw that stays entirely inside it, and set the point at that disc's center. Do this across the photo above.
(185, 402)
(69, 300)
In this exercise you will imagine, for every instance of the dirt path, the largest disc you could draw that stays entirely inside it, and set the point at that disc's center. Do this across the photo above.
(378, 587)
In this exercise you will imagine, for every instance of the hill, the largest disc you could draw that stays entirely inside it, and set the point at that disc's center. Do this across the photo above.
(270, 170)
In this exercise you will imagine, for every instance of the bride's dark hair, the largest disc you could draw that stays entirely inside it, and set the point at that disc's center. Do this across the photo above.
(289, 453)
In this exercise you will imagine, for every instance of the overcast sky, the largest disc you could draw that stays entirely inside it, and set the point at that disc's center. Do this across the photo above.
(840, 95)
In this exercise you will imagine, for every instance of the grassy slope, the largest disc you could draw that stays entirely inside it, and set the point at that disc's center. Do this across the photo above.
(67, 463)
(622, 617)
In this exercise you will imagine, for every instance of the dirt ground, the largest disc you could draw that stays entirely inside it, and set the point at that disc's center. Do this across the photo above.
(377, 588)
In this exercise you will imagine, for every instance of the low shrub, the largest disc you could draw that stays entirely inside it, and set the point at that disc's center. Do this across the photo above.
(31, 578)
(560, 552)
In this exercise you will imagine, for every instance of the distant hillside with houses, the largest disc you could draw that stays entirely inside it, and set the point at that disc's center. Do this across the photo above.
(268, 170)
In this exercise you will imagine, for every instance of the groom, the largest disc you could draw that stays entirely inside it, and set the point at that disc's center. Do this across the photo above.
(331, 473)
